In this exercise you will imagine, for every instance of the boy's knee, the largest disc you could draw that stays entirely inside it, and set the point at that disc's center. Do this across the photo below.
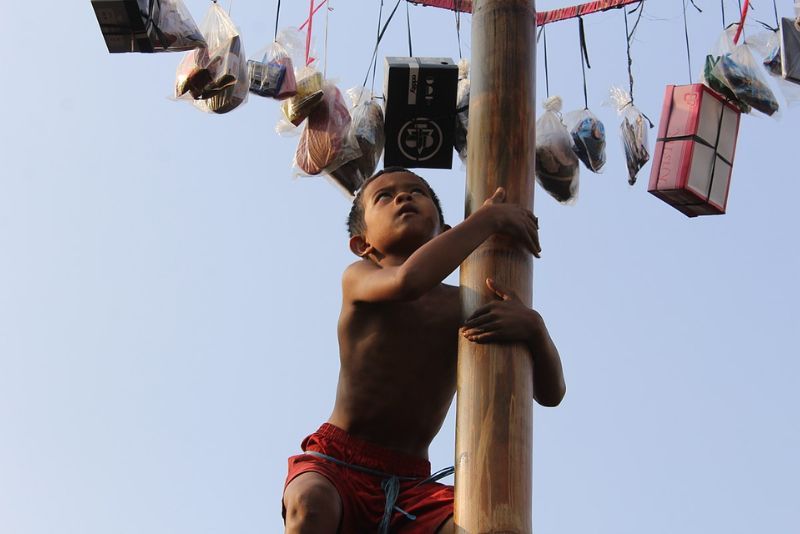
(311, 499)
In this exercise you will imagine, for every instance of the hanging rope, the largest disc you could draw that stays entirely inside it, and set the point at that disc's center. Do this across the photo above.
(722, 6)
(458, 26)
(325, 51)
(408, 24)
(546, 70)
(686, 32)
(277, 20)
(373, 61)
(584, 61)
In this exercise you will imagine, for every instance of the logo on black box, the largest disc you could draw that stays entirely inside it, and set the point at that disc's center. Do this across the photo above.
(420, 139)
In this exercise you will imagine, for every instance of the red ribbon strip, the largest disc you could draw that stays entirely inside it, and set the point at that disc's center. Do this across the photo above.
(542, 18)
(745, 9)
(310, 23)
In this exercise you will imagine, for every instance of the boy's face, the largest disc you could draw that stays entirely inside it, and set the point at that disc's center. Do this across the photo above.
(399, 213)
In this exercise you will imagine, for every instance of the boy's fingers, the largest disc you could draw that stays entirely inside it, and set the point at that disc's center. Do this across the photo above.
(479, 322)
(498, 196)
(501, 291)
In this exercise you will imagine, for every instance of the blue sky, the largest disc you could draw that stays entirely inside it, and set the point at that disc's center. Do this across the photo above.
(169, 293)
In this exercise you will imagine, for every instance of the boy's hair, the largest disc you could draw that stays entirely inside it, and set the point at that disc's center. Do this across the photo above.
(355, 221)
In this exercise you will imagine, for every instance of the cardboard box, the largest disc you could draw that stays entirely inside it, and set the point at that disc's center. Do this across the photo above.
(695, 150)
(790, 50)
(124, 26)
(420, 96)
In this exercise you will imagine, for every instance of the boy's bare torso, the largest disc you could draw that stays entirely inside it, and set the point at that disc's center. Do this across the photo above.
(398, 369)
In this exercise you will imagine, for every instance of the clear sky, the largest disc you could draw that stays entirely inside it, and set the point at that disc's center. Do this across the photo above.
(169, 293)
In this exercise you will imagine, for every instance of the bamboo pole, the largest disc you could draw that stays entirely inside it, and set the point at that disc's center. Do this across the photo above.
(494, 426)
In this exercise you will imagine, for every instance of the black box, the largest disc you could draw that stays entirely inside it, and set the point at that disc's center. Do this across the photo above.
(125, 26)
(790, 50)
(420, 95)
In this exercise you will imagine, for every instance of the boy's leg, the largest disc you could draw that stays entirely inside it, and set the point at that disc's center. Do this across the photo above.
(312, 505)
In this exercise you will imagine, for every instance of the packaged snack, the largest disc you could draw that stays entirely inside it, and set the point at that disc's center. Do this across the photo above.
(736, 68)
(462, 110)
(588, 137)
(273, 76)
(556, 164)
(634, 132)
(309, 95)
(326, 143)
(215, 77)
(366, 128)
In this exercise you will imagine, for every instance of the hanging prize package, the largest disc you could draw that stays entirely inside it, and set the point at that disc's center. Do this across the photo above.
(147, 26)
(366, 127)
(634, 132)
(273, 76)
(462, 110)
(556, 163)
(326, 142)
(734, 73)
(215, 77)
(588, 137)
(790, 50)
(420, 95)
(309, 95)
(695, 149)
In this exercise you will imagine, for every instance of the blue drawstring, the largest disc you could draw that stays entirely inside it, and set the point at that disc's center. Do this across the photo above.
(390, 486)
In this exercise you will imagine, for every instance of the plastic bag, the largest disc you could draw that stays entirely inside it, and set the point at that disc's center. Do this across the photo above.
(588, 137)
(634, 132)
(462, 110)
(366, 128)
(309, 95)
(327, 142)
(556, 164)
(273, 76)
(173, 28)
(215, 77)
(769, 45)
(736, 68)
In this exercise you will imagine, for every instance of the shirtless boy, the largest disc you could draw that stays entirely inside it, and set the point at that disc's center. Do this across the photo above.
(398, 336)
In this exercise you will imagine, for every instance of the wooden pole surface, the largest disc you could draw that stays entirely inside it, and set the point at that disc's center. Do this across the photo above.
(494, 426)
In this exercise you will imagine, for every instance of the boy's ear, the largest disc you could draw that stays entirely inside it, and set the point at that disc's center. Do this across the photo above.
(359, 246)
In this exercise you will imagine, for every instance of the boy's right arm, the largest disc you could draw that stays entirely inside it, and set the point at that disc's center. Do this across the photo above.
(436, 259)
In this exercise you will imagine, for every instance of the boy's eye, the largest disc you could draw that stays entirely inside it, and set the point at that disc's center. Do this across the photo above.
(383, 195)
(418, 190)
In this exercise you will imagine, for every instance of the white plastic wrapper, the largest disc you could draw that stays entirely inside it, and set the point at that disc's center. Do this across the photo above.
(462, 110)
(588, 138)
(556, 164)
(366, 127)
(173, 27)
(273, 73)
(733, 70)
(327, 141)
(633, 131)
(215, 78)
(768, 46)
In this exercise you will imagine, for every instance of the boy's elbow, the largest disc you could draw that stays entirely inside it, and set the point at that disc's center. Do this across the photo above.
(552, 398)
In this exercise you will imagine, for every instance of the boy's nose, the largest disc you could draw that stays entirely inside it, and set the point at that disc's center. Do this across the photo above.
(403, 196)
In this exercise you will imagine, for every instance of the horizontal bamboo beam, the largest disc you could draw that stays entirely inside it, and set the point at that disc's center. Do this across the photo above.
(542, 18)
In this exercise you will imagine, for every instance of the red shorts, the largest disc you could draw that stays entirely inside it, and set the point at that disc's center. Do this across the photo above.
(363, 499)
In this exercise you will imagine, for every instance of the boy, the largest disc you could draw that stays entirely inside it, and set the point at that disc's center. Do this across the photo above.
(367, 469)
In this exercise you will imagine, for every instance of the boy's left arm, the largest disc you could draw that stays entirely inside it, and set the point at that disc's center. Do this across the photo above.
(508, 320)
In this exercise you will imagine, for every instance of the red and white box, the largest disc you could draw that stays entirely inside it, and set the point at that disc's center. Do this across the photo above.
(695, 149)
